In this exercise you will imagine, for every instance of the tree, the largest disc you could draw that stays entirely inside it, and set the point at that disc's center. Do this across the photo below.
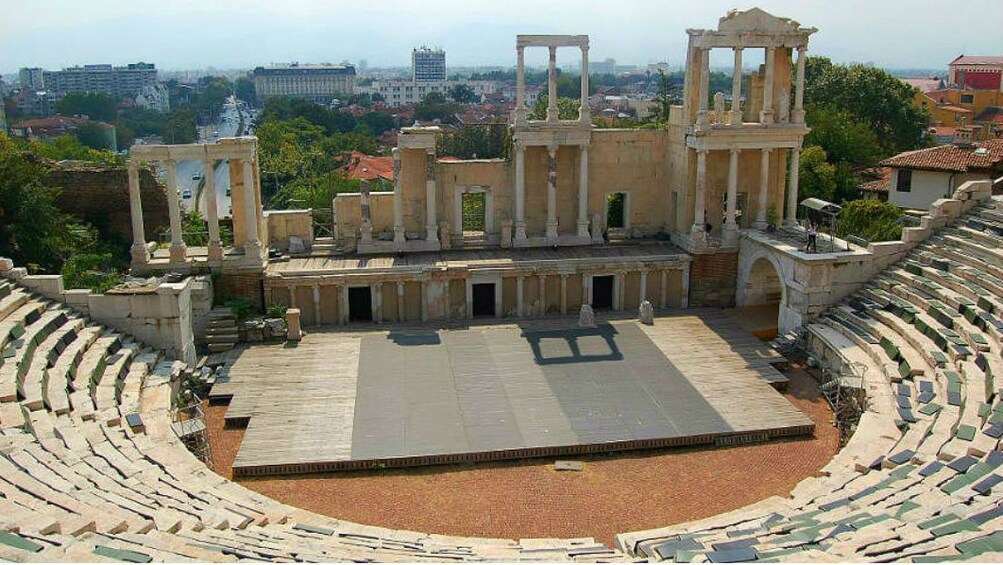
(463, 94)
(33, 231)
(68, 147)
(870, 219)
(94, 105)
(435, 107)
(476, 141)
(663, 100)
(180, 127)
(243, 89)
(567, 108)
(93, 135)
(872, 97)
(818, 177)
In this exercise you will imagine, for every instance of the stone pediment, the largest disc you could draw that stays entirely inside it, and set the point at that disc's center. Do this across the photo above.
(756, 20)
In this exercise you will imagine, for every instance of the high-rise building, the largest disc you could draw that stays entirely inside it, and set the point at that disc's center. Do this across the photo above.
(428, 64)
(319, 83)
(31, 78)
(125, 81)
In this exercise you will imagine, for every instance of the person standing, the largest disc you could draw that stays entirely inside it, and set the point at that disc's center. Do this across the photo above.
(812, 245)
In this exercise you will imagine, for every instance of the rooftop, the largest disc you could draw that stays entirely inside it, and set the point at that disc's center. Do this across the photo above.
(991, 60)
(369, 167)
(983, 155)
(925, 84)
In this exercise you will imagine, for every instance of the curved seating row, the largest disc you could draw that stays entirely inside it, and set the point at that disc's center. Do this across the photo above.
(920, 479)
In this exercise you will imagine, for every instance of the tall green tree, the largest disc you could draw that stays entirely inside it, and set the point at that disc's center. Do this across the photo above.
(870, 219)
(435, 106)
(94, 136)
(463, 94)
(243, 89)
(95, 105)
(567, 108)
(818, 176)
(33, 231)
(872, 97)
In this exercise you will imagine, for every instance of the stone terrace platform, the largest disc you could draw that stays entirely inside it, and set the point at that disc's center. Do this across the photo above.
(416, 396)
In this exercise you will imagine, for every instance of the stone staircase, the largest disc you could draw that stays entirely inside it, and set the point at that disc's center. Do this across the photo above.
(221, 330)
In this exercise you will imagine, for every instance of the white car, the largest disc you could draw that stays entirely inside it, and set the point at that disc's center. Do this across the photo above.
(186, 194)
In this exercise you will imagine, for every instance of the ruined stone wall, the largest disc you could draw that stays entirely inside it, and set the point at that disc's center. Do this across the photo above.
(712, 279)
(99, 195)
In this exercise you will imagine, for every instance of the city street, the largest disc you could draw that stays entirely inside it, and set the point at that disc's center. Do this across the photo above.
(190, 173)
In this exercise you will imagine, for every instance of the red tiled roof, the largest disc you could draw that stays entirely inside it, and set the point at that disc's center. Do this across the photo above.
(953, 108)
(881, 176)
(991, 114)
(925, 84)
(369, 167)
(56, 122)
(977, 60)
(950, 158)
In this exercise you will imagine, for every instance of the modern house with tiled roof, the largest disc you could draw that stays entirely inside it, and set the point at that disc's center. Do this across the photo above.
(920, 177)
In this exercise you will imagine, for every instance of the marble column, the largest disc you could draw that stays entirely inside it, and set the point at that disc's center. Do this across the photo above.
(140, 255)
(215, 252)
(520, 193)
(736, 89)
(316, 305)
(766, 115)
(552, 195)
(583, 192)
(764, 185)
(552, 112)
(664, 290)
(252, 245)
(377, 296)
(178, 250)
(584, 112)
(730, 235)
(400, 242)
(431, 222)
(292, 296)
(790, 218)
(400, 302)
(424, 301)
(343, 306)
(797, 116)
(698, 233)
(543, 294)
(520, 88)
(703, 115)
(618, 291)
(564, 293)
(684, 300)
(519, 296)
(642, 291)
(586, 289)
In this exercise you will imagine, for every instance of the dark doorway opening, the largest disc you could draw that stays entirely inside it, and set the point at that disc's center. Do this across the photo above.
(602, 292)
(360, 304)
(484, 299)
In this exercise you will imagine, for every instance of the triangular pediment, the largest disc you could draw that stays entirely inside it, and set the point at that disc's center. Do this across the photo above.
(755, 19)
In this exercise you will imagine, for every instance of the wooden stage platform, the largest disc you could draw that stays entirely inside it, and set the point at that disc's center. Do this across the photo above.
(364, 398)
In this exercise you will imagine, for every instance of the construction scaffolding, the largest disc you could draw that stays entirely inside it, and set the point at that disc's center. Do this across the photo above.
(188, 424)
(844, 391)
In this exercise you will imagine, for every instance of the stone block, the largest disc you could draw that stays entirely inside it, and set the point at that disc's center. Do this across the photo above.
(296, 245)
(645, 313)
(109, 306)
(49, 286)
(294, 331)
(914, 235)
(945, 208)
(6, 264)
(76, 297)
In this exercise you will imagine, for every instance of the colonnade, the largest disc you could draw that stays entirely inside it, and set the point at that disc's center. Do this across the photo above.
(648, 275)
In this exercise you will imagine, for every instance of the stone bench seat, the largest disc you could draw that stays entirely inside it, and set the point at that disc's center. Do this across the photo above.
(61, 373)
(35, 380)
(16, 365)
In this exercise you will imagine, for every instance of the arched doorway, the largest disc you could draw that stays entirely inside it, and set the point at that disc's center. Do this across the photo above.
(764, 292)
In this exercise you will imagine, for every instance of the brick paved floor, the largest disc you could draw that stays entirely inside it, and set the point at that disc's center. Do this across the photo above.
(617, 493)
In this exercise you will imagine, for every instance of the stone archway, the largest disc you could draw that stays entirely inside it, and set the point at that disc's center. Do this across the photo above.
(761, 296)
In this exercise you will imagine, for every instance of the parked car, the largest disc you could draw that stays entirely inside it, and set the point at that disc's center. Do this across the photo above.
(186, 194)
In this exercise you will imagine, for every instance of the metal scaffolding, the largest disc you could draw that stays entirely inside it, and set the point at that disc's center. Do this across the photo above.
(188, 423)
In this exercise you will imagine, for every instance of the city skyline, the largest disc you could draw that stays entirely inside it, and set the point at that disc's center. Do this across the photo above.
(231, 35)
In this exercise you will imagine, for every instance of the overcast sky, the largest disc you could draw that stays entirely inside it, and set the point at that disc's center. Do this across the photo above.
(192, 34)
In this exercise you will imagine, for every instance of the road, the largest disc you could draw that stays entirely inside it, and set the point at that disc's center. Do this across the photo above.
(189, 173)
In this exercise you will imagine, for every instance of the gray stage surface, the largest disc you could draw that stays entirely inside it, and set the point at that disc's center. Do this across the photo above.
(433, 396)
